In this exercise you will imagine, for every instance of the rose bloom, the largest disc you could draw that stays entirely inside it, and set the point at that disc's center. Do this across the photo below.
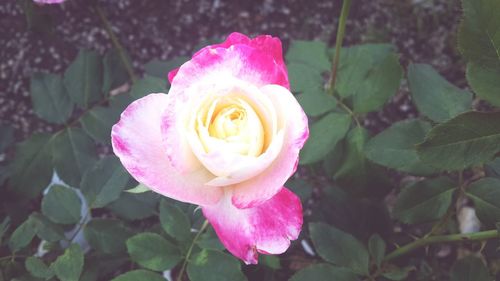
(226, 137)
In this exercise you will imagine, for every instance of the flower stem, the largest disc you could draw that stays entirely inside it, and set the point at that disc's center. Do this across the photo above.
(346, 5)
(116, 43)
(188, 254)
(451, 238)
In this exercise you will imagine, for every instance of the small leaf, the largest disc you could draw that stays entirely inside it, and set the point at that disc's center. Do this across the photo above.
(69, 266)
(316, 102)
(209, 240)
(104, 182)
(471, 138)
(45, 229)
(140, 274)
(62, 205)
(209, 265)
(38, 268)
(486, 197)
(397, 273)
(135, 206)
(312, 53)
(148, 85)
(23, 235)
(50, 100)
(107, 236)
(324, 272)
(434, 96)
(424, 201)
(83, 78)
(98, 122)
(114, 71)
(470, 269)
(4, 226)
(6, 137)
(160, 68)
(324, 136)
(31, 168)
(376, 247)
(339, 248)
(174, 221)
(74, 153)
(140, 188)
(395, 147)
(152, 251)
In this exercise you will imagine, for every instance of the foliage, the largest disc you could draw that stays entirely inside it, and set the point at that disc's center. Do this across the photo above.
(97, 223)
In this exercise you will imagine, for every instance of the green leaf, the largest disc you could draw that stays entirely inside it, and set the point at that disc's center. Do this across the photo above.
(45, 229)
(104, 182)
(135, 206)
(397, 273)
(160, 68)
(148, 85)
(38, 268)
(324, 135)
(434, 96)
(424, 201)
(50, 99)
(470, 269)
(62, 205)
(69, 266)
(4, 226)
(209, 265)
(312, 53)
(304, 78)
(140, 188)
(210, 241)
(272, 262)
(98, 122)
(83, 78)
(139, 274)
(486, 197)
(316, 102)
(31, 168)
(74, 153)
(114, 71)
(471, 138)
(174, 221)
(479, 42)
(107, 236)
(369, 74)
(152, 251)
(6, 137)
(301, 188)
(376, 247)
(339, 248)
(357, 174)
(324, 272)
(395, 147)
(23, 235)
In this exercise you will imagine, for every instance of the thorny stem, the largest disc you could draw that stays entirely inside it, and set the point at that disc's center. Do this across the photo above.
(451, 238)
(116, 43)
(188, 254)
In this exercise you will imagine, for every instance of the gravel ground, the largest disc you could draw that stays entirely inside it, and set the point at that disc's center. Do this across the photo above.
(423, 31)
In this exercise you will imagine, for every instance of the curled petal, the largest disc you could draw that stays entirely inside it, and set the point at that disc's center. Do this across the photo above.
(294, 121)
(267, 228)
(138, 142)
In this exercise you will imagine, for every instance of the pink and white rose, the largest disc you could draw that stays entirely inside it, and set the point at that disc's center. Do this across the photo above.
(226, 137)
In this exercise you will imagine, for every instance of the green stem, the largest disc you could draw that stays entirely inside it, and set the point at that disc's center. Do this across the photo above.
(116, 43)
(348, 110)
(188, 254)
(338, 43)
(451, 238)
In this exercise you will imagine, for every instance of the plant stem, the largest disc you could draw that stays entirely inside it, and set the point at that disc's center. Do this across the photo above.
(346, 5)
(188, 254)
(116, 43)
(451, 238)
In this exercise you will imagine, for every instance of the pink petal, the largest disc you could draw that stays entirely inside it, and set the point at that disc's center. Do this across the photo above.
(267, 228)
(264, 186)
(137, 140)
(269, 47)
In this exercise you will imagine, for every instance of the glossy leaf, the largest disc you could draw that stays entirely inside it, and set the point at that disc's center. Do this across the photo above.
(74, 153)
(209, 265)
(424, 201)
(323, 137)
(83, 78)
(434, 96)
(339, 247)
(50, 99)
(469, 139)
(152, 251)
